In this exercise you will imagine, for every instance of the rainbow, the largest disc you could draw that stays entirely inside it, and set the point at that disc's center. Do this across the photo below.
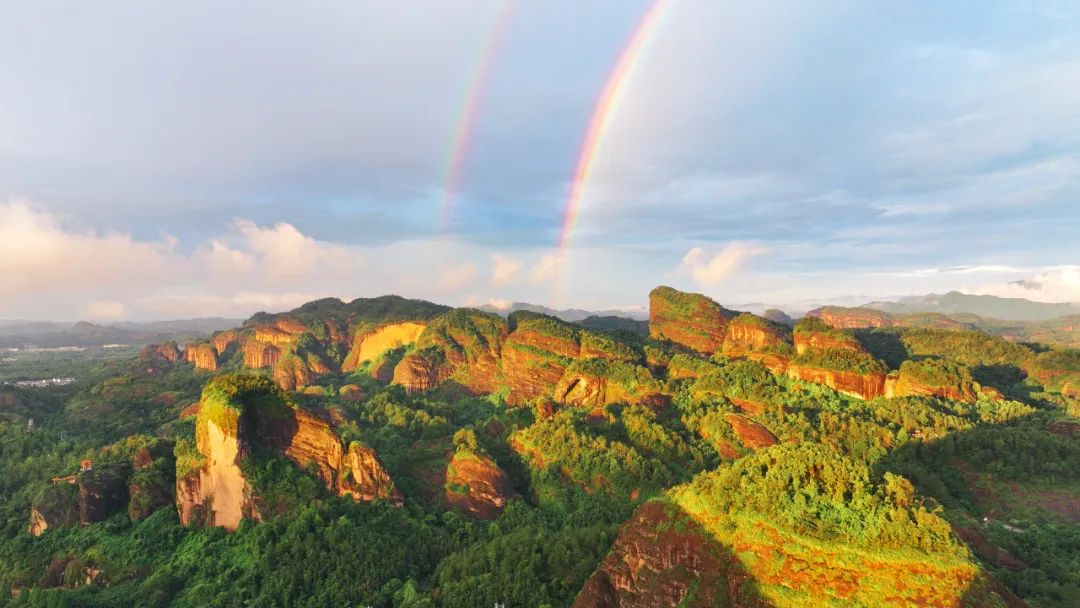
(603, 110)
(471, 104)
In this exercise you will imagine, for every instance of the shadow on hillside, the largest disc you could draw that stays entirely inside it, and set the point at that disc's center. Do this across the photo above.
(966, 470)
(663, 557)
(883, 344)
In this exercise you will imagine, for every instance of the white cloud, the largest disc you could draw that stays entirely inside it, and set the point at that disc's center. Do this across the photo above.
(1055, 285)
(505, 271)
(456, 278)
(548, 268)
(105, 310)
(711, 268)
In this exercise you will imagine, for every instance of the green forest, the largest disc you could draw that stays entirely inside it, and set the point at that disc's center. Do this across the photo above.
(915, 474)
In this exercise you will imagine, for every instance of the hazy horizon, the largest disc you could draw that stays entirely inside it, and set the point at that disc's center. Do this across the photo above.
(200, 160)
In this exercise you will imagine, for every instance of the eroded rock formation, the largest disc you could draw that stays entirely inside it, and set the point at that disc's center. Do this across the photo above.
(689, 319)
(476, 485)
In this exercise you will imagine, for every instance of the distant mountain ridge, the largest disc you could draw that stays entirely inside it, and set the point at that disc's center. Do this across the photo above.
(49, 334)
(994, 307)
(570, 315)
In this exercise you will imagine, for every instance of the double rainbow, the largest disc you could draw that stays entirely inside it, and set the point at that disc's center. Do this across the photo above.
(603, 110)
(471, 104)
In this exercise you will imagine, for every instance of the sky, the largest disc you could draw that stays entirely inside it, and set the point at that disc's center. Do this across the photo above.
(217, 159)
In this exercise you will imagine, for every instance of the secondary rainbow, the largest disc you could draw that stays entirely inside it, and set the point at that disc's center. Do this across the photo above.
(471, 105)
(603, 110)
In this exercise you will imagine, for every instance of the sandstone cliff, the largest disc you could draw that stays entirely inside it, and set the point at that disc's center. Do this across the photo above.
(201, 355)
(680, 566)
(854, 384)
(936, 378)
(476, 485)
(240, 412)
(166, 351)
(464, 346)
(689, 319)
(364, 478)
(594, 383)
(368, 345)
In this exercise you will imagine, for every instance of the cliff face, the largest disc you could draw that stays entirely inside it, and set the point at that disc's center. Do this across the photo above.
(680, 566)
(903, 385)
(365, 479)
(369, 345)
(216, 492)
(596, 383)
(689, 319)
(808, 341)
(754, 337)
(535, 356)
(258, 354)
(201, 355)
(863, 386)
(476, 485)
(852, 318)
(102, 492)
(464, 346)
(167, 351)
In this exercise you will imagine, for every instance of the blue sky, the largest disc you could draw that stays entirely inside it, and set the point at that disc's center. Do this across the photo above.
(204, 159)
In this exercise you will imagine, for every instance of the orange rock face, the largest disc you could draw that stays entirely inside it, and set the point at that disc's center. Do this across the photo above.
(202, 355)
(464, 346)
(820, 341)
(678, 566)
(863, 386)
(691, 320)
(902, 385)
(368, 346)
(476, 485)
(364, 478)
(260, 354)
(533, 363)
(292, 373)
(168, 351)
(417, 374)
(852, 318)
(224, 339)
(747, 334)
(750, 433)
(591, 392)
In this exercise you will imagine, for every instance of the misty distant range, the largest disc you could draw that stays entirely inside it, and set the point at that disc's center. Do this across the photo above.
(51, 334)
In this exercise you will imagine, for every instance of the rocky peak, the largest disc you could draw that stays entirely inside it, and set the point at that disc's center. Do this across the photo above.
(476, 485)
(689, 319)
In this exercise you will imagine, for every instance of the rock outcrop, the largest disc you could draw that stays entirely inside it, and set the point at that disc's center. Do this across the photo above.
(861, 385)
(463, 345)
(102, 492)
(594, 383)
(364, 478)
(680, 566)
(259, 354)
(689, 319)
(751, 433)
(476, 485)
(813, 334)
(241, 412)
(370, 345)
(201, 355)
(166, 351)
(834, 357)
(536, 354)
(852, 318)
(935, 378)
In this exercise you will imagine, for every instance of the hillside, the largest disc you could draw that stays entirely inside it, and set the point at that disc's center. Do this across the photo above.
(392, 452)
(994, 307)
